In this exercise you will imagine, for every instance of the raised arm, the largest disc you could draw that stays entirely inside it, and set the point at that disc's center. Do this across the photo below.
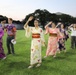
(27, 28)
(58, 24)
(70, 26)
(26, 24)
(48, 24)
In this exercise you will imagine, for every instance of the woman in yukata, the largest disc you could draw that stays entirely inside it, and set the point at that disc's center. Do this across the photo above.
(37, 41)
(54, 36)
(2, 54)
(62, 40)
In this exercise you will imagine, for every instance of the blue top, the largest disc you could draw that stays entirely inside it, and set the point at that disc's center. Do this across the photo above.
(0, 25)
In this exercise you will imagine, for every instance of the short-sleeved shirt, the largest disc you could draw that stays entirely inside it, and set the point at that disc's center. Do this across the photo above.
(73, 33)
(11, 29)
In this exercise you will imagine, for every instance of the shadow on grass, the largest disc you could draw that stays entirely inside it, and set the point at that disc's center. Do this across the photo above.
(18, 65)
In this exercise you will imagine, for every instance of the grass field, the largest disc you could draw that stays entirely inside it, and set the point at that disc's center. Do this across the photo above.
(63, 64)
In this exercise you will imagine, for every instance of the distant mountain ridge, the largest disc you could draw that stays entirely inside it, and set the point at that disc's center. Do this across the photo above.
(59, 13)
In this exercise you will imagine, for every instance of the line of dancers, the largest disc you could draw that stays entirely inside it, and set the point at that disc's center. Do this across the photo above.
(56, 41)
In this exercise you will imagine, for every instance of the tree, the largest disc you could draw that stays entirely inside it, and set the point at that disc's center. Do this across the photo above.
(45, 16)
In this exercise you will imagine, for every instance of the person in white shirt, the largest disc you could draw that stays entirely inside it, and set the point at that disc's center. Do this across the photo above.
(73, 35)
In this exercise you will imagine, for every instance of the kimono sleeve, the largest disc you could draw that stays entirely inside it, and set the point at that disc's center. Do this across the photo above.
(42, 37)
(28, 31)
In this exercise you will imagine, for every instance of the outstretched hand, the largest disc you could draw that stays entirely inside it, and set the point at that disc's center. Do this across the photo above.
(30, 18)
(71, 25)
(50, 23)
(59, 23)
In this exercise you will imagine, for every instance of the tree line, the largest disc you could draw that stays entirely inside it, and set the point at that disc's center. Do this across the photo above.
(45, 16)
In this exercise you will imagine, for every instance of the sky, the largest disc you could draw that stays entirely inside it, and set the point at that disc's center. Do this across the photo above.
(18, 9)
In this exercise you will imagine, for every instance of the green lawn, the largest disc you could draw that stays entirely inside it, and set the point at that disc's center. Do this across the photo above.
(63, 64)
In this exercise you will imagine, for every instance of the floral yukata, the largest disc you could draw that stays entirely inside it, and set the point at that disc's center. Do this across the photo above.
(54, 36)
(2, 55)
(37, 41)
(62, 40)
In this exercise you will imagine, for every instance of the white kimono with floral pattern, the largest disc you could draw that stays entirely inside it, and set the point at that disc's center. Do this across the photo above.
(36, 44)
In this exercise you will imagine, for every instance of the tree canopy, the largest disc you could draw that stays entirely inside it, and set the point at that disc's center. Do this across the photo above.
(45, 16)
